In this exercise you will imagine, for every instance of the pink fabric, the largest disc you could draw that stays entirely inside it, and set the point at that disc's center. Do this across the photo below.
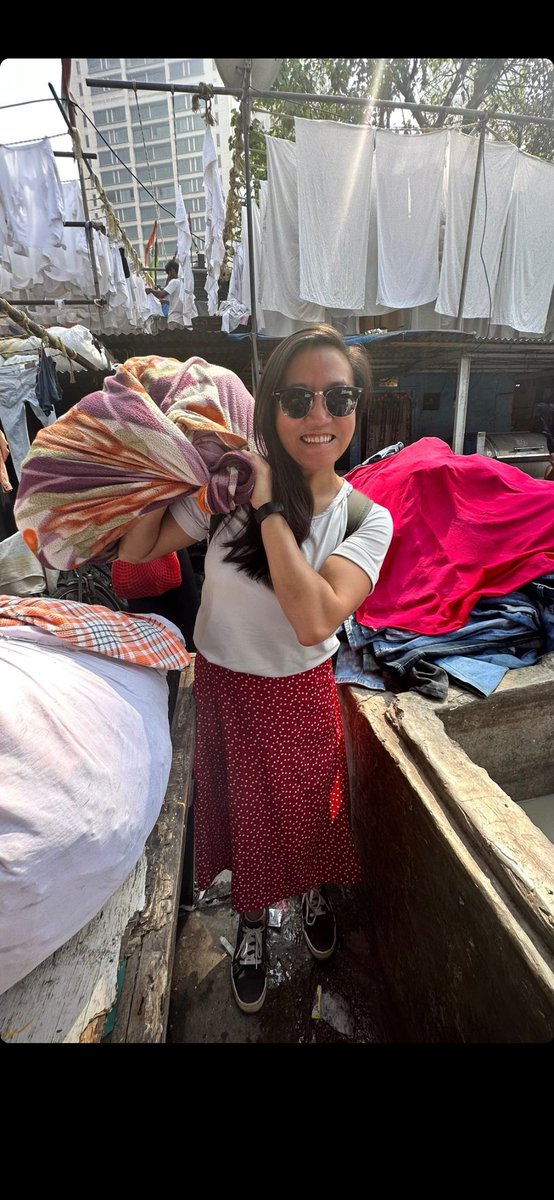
(465, 526)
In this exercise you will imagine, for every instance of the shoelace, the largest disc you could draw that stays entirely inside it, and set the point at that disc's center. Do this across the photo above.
(316, 906)
(251, 948)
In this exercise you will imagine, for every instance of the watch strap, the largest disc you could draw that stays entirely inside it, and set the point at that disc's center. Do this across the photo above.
(265, 510)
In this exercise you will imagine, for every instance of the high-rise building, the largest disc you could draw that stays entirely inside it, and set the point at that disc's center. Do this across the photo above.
(158, 136)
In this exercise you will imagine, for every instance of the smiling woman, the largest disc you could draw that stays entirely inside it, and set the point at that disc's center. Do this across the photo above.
(28, 110)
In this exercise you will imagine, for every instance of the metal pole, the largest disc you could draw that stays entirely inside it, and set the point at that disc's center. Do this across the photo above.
(245, 118)
(473, 209)
(357, 101)
(460, 406)
(72, 126)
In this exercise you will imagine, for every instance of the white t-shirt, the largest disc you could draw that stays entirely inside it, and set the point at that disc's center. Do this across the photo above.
(172, 287)
(240, 623)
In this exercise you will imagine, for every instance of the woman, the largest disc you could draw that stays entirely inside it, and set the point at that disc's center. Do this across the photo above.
(270, 767)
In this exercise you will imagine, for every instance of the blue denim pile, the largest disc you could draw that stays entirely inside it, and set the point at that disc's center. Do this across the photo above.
(503, 632)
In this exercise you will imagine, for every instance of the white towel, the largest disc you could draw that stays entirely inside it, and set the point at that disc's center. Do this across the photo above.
(186, 275)
(215, 218)
(410, 181)
(493, 199)
(333, 163)
(280, 266)
(526, 275)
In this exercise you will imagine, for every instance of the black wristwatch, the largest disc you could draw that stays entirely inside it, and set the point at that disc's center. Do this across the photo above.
(265, 510)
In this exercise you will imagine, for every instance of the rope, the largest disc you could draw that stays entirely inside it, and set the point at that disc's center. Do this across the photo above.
(204, 93)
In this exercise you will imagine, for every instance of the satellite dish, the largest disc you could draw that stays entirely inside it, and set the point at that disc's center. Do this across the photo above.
(263, 74)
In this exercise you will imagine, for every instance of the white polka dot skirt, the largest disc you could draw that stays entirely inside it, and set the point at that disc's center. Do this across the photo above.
(272, 801)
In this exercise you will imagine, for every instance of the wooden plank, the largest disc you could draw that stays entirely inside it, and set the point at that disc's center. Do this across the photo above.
(66, 998)
(149, 948)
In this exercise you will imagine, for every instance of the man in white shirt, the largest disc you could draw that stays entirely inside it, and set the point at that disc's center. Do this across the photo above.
(169, 294)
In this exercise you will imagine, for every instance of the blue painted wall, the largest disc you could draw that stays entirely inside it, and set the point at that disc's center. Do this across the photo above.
(489, 403)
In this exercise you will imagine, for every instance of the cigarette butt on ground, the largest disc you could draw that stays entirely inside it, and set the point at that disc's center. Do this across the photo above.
(316, 1010)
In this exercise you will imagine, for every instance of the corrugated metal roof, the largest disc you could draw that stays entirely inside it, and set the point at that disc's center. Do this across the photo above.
(392, 354)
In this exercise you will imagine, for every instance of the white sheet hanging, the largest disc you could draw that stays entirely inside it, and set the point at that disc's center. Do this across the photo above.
(371, 307)
(333, 162)
(526, 275)
(186, 276)
(280, 267)
(493, 199)
(32, 199)
(410, 181)
(215, 218)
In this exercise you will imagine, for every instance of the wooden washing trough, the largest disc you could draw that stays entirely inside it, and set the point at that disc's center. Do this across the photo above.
(458, 880)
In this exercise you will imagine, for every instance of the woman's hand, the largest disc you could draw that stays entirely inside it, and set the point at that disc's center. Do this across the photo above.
(263, 483)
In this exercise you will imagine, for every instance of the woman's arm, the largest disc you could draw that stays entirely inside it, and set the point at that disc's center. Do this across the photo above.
(314, 602)
(153, 535)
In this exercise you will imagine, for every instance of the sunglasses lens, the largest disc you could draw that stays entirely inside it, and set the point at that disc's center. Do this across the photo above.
(295, 402)
(341, 401)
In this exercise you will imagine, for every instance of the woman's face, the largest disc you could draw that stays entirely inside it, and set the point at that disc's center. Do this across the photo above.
(317, 440)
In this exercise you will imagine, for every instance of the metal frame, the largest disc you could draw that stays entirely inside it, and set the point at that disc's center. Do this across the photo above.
(245, 97)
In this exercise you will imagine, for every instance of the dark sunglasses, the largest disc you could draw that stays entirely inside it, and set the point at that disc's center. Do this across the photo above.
(340, 400)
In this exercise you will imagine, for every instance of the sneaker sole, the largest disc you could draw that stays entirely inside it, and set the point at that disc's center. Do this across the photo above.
(321, 955)
(254, 1006)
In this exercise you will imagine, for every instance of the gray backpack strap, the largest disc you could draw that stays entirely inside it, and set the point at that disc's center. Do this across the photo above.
(358, 507)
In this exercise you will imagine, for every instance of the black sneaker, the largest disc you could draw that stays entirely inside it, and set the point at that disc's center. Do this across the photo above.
(249, 965)
(318, 920)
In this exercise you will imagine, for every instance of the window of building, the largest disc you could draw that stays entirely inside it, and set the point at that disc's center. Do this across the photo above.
(156, 152)
(127, 214)
(118, 176)
(108, 159)
(153, 75)
(194, 204)
(121, 196)
(189, 145)
(197, 224)
(166, 191)
(130, 230)
(182, 101)
(109, 116)
(148, 212)
(152, 133)
(101, 64)
(192, 185)
(186, 67)
(187, 124)
(141, 62)
(153, 110)
(116, 136)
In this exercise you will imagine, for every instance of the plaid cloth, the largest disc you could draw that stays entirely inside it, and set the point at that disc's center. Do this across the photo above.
(140, 640)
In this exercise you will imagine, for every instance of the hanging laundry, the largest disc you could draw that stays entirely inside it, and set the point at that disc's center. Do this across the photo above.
(26, 173)
(184, 258)
(214, 247)
(333, 162)
(410, 181)
(493, 200)
(526, 275)
(280, 283)
(47, 388)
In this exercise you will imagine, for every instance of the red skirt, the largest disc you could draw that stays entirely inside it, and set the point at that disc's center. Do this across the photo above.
(272, 799)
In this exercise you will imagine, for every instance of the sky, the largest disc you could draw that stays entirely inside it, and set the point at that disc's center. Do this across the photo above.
(28, 79)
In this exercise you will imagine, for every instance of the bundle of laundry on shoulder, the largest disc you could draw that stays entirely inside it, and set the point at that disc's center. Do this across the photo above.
(158, 430)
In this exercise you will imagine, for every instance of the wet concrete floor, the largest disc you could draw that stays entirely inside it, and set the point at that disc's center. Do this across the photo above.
(342, 1000)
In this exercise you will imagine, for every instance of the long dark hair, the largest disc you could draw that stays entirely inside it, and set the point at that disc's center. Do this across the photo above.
(289, 486)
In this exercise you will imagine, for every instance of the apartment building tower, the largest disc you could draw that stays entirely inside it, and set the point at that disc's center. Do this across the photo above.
(157, 136)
